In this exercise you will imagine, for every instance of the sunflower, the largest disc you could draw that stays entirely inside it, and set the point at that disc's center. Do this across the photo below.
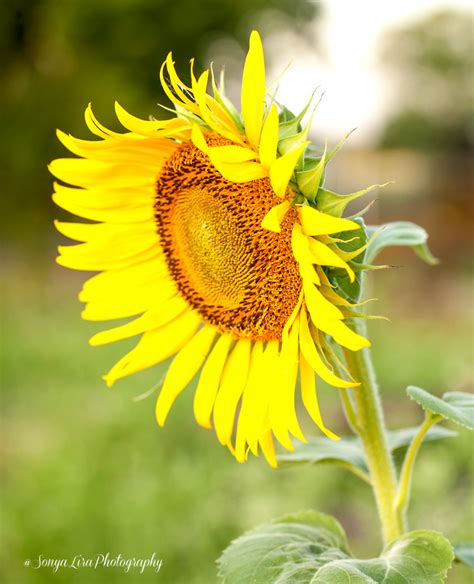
(213, 231)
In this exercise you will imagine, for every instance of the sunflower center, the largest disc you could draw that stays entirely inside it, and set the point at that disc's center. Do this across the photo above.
(238, 276)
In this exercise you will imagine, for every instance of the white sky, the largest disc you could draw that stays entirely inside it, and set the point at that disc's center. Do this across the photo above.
(356, 87)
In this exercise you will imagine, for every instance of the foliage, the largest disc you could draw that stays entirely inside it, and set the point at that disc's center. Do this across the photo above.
(310, 548)
(349, 451)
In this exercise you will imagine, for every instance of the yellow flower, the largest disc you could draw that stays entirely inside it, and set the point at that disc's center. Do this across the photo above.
(207, 230)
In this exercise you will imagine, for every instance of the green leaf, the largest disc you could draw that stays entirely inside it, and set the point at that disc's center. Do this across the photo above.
(403, 437)
(401, 233)
(286, 550)
(456, 406)
(419, 556)
(346, 451)
(311, 548)
(349, 452)
(464, 552)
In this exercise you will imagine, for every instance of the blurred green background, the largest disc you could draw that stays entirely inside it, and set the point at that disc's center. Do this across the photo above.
(85, 469)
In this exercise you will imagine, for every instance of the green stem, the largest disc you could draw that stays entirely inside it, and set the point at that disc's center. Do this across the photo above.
(372, 432)
(403, 494)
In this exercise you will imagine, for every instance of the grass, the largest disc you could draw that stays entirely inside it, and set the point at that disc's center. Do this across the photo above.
(87, 471)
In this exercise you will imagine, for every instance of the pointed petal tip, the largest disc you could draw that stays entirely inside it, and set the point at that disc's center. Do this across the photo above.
(255, 36)
(108, 380)
(160, 416)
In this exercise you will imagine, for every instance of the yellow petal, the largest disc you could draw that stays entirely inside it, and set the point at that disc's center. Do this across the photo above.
(148, 321)
(93, 256)
(182, 369)
(310, 353)
(147, 127)
(282, 169)
(323, 255)
(253, 89)
(315, 222)
(310, 398)
(246, 416)
(179, 96)
(269, 139)
(103, 232)
(293, 316)
(320, 309)
(268, 448)
(155, 346)
(345, 336)
(96, 127)
(232, 171)
(150, 151)
(130, 304)
(85, 207)
(274, 217)
(308, 273)
(90, 173)
(128, 280)
(209, 381)
(282, 405)
(199, 140)
(231, 154)
(239, 172)
(259, 402)
(104, 198)
(231, 387)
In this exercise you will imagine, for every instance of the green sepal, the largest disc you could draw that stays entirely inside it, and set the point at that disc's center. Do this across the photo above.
(338, 146)
(340, 278)
(312, 176)
(290, 125)
(294, 141)
(456, 406)
(335, 204)
(285, 115)
(311, 548)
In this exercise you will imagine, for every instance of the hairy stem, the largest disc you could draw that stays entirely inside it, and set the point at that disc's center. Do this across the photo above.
(403, 494)
(372, 431)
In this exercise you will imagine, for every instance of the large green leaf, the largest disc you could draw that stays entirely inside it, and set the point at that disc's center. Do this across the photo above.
(464, 552)
(311, 548)
(399, 233)
(456, 406)
(286, 550)
(349, 450)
